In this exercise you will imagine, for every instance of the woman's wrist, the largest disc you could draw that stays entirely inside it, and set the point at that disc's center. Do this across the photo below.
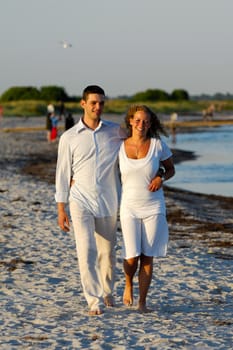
(161, 174)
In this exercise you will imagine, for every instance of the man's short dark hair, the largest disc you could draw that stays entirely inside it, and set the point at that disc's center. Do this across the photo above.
(92, 89)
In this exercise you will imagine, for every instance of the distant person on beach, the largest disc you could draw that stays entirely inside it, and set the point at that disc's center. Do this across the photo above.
(88, 179)
(142, 210)
(54, 127)
(208, 113)
(50, 110)
(69, 121)
(173, 125)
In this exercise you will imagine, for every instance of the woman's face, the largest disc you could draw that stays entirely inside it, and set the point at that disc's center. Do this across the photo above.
(140, 123)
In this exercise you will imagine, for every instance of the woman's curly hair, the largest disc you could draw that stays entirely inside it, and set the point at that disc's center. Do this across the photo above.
(156, 128)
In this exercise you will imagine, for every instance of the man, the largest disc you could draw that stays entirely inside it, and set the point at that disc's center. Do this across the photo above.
(87, 177)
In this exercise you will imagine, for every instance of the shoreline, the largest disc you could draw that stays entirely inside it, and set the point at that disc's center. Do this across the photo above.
(37, 158)
(184, 123)
(41, 165)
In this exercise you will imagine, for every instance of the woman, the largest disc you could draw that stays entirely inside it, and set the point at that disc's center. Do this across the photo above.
(50, 110)
(142, 210)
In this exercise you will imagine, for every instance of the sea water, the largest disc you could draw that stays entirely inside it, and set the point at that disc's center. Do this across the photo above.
(212, 171)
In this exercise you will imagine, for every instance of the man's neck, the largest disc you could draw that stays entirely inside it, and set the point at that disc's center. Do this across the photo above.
(91, 123)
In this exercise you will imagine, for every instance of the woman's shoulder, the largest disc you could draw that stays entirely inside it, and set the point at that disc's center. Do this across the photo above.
(158, 141)
(159, 145)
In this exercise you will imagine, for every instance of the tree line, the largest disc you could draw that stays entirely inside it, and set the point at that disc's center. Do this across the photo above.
(45, 93)
(57, 93)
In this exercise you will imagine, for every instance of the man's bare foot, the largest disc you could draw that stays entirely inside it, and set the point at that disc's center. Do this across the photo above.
(144, 309)
(128, 296)
(96, 312)
(109, 301)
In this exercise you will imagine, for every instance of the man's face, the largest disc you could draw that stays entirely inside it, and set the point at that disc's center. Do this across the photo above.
(93, 106)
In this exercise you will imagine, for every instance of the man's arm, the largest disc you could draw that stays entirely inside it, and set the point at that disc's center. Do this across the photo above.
(63, 174)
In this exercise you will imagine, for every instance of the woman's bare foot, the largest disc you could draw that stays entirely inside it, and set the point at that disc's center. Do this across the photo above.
(128, 296)
(96, 312)
(144, 309)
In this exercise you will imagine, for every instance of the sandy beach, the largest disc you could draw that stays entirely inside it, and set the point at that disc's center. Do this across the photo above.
(42, 304)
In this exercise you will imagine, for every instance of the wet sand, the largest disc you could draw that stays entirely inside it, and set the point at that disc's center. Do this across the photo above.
(42, 304)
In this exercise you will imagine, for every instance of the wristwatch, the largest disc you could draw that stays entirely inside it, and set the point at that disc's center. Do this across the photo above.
(161, 173)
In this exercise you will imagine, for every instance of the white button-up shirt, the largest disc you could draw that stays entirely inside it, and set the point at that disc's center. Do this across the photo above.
(90, 158)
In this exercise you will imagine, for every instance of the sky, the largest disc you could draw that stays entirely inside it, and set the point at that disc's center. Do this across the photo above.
(125, 46)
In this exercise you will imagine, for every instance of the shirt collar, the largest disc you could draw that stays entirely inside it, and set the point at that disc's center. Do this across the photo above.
(81, 126)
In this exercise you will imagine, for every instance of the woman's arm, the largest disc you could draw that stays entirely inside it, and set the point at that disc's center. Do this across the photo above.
(169, 171)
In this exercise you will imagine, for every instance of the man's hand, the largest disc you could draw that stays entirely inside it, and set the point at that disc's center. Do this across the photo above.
(63, 220)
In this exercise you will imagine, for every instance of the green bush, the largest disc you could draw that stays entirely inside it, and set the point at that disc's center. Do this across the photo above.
(151, 95)
(17, 93)
(46, 93)
(53, 93)
(179, 95)
(160, 95)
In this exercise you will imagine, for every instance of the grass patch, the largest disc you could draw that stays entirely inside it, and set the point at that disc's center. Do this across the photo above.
(118, 106)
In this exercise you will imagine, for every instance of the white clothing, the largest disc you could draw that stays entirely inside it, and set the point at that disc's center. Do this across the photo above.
(148, 236)
(141, 209)
(89, 157)
(95, 243)
(50, 108)
(173, 117)
(136, 175)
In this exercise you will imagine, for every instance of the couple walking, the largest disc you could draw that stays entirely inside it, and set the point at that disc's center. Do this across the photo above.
(87, 178)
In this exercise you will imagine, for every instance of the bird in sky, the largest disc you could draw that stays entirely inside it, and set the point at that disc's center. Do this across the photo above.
(65, 44)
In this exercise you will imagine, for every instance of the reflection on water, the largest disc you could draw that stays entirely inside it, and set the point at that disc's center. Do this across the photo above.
(212, 171)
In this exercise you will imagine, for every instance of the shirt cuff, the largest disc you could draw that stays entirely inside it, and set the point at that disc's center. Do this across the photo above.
(62, 197)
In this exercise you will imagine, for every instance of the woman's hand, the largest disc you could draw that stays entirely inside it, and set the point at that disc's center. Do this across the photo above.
(72, 182)
(155, 184)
